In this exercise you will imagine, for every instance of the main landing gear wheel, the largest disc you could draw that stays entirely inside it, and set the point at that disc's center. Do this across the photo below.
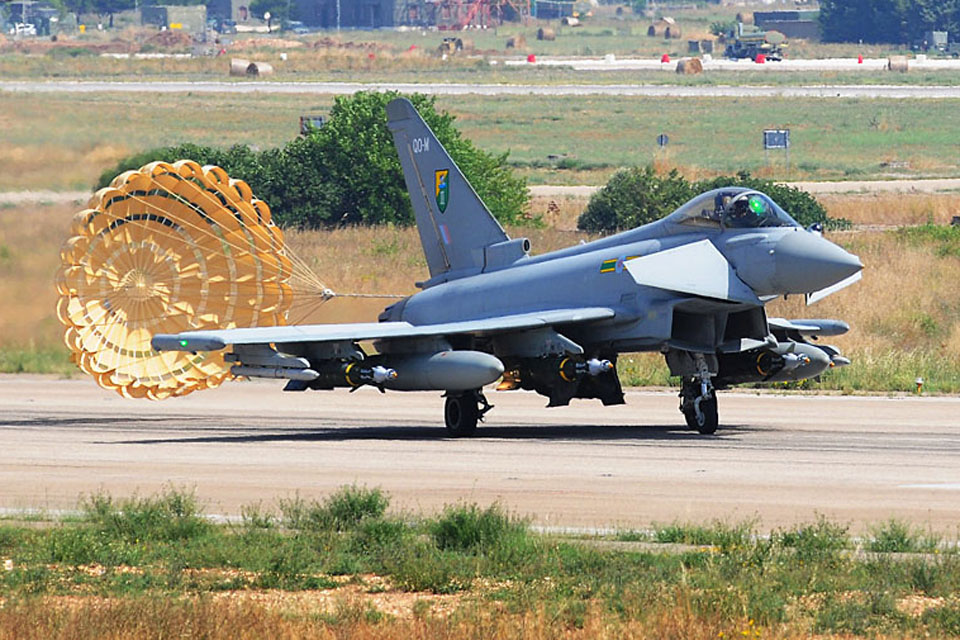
(463, 410)
(460, 413)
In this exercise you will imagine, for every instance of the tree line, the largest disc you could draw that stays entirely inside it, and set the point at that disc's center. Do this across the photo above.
(887, 21)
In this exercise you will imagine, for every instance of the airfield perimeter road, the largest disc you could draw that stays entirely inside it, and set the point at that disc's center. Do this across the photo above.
(347, 88)
(782, 458)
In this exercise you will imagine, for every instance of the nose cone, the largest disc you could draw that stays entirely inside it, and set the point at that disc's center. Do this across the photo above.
(805, 262)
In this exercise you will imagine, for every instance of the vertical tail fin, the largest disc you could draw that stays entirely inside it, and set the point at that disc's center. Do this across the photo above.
(455, 226)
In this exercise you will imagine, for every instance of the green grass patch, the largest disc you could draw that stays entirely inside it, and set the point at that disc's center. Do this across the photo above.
(945, 240)
(57, 139)
(804, 577)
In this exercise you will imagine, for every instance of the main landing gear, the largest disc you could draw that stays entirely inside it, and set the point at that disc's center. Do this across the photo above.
(698, 399)
(462, 411)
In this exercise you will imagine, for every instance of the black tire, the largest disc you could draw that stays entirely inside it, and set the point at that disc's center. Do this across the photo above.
(460, 413)
(709, 419)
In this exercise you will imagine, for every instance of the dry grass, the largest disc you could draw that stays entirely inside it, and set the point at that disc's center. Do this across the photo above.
(893, 209)
(80, 618)
(30, 239)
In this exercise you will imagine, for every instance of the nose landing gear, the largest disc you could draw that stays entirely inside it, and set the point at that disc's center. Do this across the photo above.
(698, 399)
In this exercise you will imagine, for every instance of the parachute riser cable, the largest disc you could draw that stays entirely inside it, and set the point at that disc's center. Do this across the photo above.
(296, 261)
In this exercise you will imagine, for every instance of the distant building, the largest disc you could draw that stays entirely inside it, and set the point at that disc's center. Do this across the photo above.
(444, 14)
(236, 10)
(552, 9)
(353, 14)
(191, 19)
(804, 25)
(40, 14)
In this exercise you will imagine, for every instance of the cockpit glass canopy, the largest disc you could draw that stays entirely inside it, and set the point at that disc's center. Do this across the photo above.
(734, 208)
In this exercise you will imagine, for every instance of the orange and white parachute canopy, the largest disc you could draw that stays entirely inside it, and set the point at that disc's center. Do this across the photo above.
(170, 248)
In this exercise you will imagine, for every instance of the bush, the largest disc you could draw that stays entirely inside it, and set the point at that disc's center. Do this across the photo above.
(348, 172)
(638, 196)
(722, 27)
(634, 197)
(817, 541)
(896, 536)
(170, 516)
(345, 509)
(470, 528)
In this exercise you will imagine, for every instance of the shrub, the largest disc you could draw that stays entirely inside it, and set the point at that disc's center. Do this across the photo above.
(170, 516)
(348, 172)
(350, 505)
(634, 197)
(470, 528)
(344, 509)
(896, 536)
(816, 541)
(722, 27)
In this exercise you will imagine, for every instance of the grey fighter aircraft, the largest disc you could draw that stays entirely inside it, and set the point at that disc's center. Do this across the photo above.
(692, 285)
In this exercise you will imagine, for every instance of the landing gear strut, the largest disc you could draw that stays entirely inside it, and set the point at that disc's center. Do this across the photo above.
(698, 399)
(462, 411)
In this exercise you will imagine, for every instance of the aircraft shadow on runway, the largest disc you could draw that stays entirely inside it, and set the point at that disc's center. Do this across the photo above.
(671, 432)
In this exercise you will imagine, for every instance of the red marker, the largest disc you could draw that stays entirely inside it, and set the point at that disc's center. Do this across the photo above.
(665, 57)
(532, 58)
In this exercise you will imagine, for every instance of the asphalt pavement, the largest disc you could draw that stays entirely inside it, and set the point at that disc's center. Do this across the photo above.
(780, 459)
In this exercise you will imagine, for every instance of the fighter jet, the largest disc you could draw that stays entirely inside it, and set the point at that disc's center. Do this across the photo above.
(692, 286)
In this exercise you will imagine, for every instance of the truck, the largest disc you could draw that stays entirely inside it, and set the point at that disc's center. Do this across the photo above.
(749, 42)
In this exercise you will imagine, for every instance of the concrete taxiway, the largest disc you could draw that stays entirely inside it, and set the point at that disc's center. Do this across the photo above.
(782, 459)
(890, 92)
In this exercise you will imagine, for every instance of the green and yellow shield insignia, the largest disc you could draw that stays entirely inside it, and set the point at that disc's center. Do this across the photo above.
(442, 189)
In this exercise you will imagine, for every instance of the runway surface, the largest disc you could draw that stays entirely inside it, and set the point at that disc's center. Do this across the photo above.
(780, 458)
(897, 92)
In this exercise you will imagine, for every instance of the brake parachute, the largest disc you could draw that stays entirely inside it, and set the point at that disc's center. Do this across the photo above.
(170, 248)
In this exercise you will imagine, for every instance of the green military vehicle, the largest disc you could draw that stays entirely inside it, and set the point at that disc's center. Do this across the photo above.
(749, 42)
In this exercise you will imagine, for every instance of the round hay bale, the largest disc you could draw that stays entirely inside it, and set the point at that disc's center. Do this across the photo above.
(546, 33)
(652, 31)
(570, 21)
(238, 67)
(689, 66)
(517, 42)
(673, 31)
(898, 63)
(257, 69)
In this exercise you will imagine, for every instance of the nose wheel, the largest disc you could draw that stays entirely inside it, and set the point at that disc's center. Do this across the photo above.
(701, 413)
(698, 400)
(462, 411)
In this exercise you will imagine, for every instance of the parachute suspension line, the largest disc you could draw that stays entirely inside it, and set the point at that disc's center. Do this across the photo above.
(300, 267)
